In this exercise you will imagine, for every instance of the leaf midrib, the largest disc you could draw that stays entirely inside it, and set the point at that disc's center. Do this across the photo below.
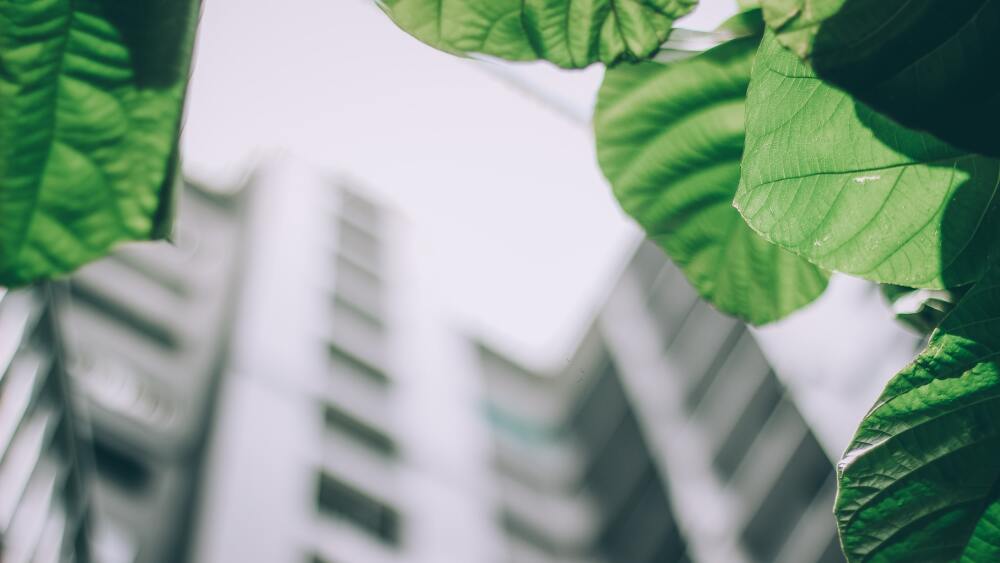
(956, 159)
(51, 134)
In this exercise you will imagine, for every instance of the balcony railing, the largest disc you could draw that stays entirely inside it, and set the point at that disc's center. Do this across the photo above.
(43, 497)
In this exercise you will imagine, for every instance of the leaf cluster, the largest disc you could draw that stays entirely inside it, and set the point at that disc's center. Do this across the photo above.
(856, 136)
(90, 109)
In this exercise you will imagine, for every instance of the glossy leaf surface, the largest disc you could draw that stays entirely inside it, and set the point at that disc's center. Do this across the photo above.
(569, 33)
(831, 179)
(921, 479)
(90, 106)
(669, 138)
(929, 64)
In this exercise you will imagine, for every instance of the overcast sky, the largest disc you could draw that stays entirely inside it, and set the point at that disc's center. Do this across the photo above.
(517, 223)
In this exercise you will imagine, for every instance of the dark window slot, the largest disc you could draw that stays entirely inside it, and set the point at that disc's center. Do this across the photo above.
(338, 499)
(738, 442)
(517, 527)
(600, 409)
(161, 277)
(799, 483)
(356, 239)
(357, 365)
(348, 267)
(684, 311)
(359, 208)
(672, 550)
(523, 430)
(342, 306)
(120, 468)
(697, 392)
(122, 313)
(358, 431)
(618, 468)
(637, 530)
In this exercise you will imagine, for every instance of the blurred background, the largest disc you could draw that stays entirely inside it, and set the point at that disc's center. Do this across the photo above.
(403, 320)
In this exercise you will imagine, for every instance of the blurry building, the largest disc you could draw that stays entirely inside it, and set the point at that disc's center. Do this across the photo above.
(279, 386)
(666, 438)
(576, 477)
(146, 332)
(347, 428)
(44, 511)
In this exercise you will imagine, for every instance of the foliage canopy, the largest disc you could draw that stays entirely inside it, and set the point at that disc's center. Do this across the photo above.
(860, 137)
(90, 108)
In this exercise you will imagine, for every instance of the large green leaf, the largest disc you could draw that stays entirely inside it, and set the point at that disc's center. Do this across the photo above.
(570, 33)
(669, 138)
(929, 64)
(90, 105)
(832, 180)
(921, 479)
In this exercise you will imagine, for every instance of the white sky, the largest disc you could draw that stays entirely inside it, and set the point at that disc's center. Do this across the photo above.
(520, 227)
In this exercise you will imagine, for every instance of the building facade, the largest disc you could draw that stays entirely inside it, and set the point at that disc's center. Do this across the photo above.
(280, 386)
(576, 478)
(44, 495)
(146, 333)
(667, 438)
(336, 437)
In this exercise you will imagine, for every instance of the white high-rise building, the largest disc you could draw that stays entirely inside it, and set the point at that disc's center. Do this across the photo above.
(667, 438)
(146, 332)
(348, 428)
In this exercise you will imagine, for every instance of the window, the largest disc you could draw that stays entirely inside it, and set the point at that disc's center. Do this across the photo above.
(527, 533)
(700, 340)
(638, 531)
(347, 267)
(136, 320)
(121, 468)
(672, 550)
(740, 439)
(358, 284)
(600, 409)
(696, 392)
(341, 500)
(799, 482)
(346, 311)
(346, 362)
(154, 271)
(359, 208)
(360, 245)
(615, 471)
(522, 429)
(357, 329)
(649, 263)
(671, 302)
(358, 431)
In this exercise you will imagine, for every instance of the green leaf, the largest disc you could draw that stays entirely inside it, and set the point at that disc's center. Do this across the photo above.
(90, 106)
(851, 190)
(569, 33)
(921, 479)
(669, 138)
(929, 64)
